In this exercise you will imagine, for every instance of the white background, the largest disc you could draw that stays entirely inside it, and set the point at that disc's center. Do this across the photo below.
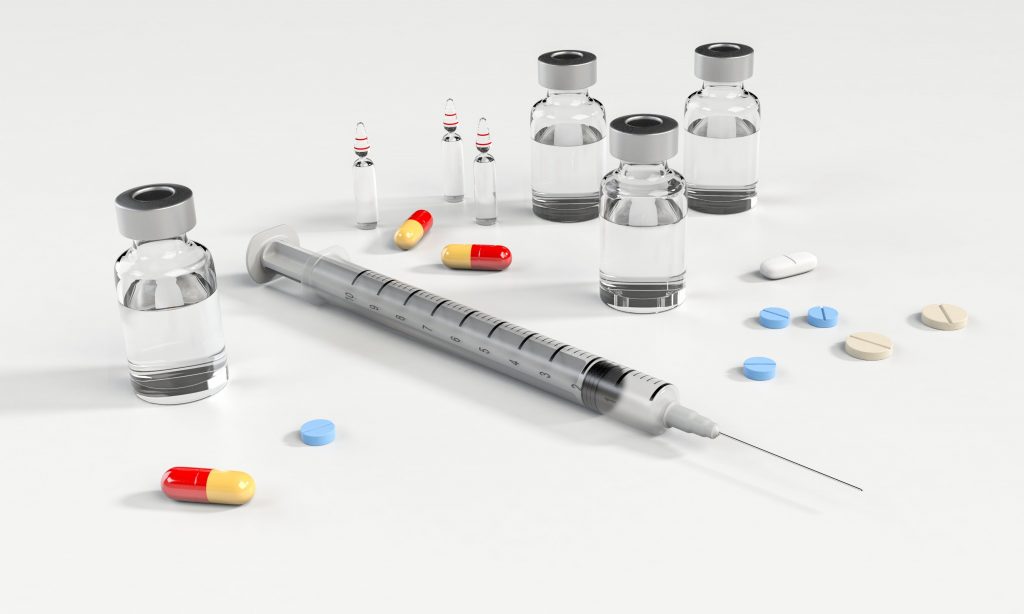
(891, 148)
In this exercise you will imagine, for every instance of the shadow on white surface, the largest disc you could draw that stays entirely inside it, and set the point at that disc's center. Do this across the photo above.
(436, 268)
(736, 374)
(752, 489)
(156, 501)
(68, 388)
(754, 323)
(914, 320)
(753, 277)
(839, 349)
(293, 439)
(519, 212)
(383, 243)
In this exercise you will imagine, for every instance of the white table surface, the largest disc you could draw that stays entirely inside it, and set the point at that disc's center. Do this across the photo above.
(890, 148)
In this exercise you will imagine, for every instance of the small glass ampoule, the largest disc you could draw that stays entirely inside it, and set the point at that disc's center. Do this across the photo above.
(364, 181)
(486, 199)
(451, 156)
(643, 216)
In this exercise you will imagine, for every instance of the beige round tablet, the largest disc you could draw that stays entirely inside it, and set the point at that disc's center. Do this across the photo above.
(869, 346)
(944, 316)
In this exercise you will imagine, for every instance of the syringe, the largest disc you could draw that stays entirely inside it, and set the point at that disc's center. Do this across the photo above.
(587, 379)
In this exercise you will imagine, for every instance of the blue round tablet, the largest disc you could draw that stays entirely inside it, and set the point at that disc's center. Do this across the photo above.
(774, 317)
(759, 368)
(822, 317)
(317, 432)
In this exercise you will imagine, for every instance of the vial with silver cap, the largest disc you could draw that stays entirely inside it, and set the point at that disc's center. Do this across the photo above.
(643, 216)
(722, 122)
(568, 129)
(167, 291)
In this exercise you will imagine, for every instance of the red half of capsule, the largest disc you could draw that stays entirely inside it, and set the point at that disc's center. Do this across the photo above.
(490, 257)
(186, 483)
(424, 218)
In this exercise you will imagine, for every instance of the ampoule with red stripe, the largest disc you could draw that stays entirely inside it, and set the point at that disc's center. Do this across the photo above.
(364, 181)
(451, 156)
(485, 205)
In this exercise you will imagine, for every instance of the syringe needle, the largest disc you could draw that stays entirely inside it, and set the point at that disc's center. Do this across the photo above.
(791, 461)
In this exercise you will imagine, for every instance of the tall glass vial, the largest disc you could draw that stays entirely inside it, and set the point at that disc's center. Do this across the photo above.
(364, 181)
(451, 156)
(167, 291)
(568, 129)
(723, 121)
(643, 217)
(485, 197)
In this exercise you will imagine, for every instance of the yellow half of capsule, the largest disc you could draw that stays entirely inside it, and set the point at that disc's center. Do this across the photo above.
(408, 234)
(229, 487)
(457, 256)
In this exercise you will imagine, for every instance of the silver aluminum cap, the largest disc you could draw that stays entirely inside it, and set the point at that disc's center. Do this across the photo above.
(724, 62)
(567, 69)
(155, 211)
(644, 138)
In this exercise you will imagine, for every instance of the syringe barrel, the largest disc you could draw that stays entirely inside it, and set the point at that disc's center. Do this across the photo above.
(586, 379)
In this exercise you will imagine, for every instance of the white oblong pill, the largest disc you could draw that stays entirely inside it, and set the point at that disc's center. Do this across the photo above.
(788, 265)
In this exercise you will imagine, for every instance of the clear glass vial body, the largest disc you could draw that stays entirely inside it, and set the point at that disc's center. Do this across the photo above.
(451, 172)
(364, 186)
(485, 198)
(568, 128)
(720, 142)
(167, 291)
(643, 224)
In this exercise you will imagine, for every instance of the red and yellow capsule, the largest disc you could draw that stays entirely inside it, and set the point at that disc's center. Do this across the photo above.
(208, 485)
(413, 229)
(476, 257)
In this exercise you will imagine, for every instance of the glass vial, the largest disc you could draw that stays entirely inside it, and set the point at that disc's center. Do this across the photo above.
(643, 216)
(451, 156)
(568, 129)
(167, 291)
(722, 122)
(364, 181)
(485, 197)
